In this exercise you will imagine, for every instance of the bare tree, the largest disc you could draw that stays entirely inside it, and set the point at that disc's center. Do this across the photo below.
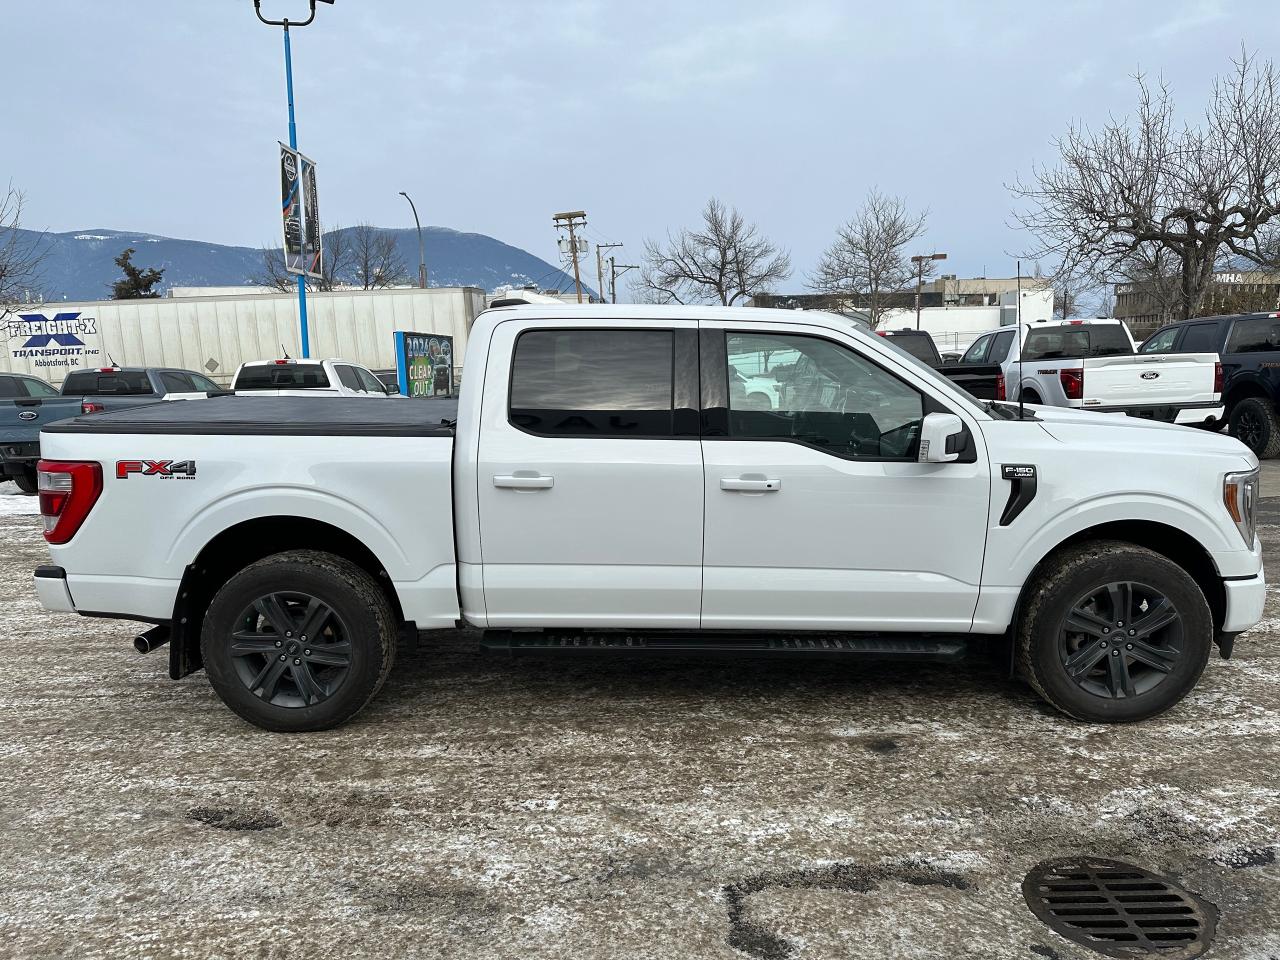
(724, 260)
(336, 266)
(21, 253)
(1144, 194)
(869, 258)
(375, 259)
(1069, 294)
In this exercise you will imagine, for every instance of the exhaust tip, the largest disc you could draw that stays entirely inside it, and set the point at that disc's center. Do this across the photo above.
(152, 639)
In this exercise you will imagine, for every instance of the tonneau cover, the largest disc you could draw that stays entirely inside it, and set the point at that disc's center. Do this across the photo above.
(276, 416)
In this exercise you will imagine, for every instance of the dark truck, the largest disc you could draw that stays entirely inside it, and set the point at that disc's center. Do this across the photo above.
(27, 403)
(1248, 346)
(982, 380)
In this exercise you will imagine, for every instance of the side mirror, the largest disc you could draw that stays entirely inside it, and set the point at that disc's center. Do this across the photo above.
(941, 435)
(393, 389)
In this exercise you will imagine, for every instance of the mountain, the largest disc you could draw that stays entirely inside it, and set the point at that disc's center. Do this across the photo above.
(79, 265)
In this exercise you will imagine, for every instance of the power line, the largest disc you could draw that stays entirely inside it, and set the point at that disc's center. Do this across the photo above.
(573, 221)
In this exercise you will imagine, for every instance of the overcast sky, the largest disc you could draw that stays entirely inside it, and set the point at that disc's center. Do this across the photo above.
(162, 115)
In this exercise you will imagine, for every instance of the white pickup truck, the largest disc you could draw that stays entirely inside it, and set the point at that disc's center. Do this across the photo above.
(287, 377)
(1091, 365)
(608, 486)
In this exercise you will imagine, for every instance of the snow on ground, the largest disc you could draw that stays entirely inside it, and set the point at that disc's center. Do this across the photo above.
(14, 502)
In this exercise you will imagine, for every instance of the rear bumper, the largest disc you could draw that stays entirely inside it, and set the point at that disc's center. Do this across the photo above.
(18, 457)
(1192, 414)
(1245, 599)
(51, 588)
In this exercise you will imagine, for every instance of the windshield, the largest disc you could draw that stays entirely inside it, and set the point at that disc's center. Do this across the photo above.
(933, 373)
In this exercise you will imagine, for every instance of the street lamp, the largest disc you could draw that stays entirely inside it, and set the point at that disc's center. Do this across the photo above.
(293, 144)
(422, 251)
(920, 261)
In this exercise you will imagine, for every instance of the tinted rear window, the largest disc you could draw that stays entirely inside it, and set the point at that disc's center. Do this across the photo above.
(920, 347)
(285, 376)
(1201, 338)
(1254, 336)
(1064, 343)
(119, 383)
(603, 383)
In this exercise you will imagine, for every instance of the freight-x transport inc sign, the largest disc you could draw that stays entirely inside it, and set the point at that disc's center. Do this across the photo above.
(56, 342)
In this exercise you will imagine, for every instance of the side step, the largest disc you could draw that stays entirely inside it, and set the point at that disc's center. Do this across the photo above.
(872, 646)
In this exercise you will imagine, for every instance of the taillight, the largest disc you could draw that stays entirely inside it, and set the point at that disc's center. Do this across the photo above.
(68, 491)
(88, 406)
(1072, 383)
(1000, 390)
(1217, 378)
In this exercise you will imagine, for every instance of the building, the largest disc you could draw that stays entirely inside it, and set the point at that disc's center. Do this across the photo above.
(1231, 291)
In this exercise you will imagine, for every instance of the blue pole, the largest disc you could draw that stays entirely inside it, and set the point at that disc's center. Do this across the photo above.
(293, 145)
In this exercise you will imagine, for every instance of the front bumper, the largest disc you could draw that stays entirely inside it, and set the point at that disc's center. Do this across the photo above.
(1245, 599)
(51, 588)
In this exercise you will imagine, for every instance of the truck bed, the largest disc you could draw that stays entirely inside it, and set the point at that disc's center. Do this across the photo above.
(275, 416)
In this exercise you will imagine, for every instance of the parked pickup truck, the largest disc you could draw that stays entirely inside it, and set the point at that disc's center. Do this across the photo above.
(1249, 347)
(27, 403)
(604, 490)
(310, 378)
(982, 380)
(1090, 365)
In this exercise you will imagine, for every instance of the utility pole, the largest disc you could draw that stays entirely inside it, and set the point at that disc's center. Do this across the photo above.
(615, 271)
(920, 262)
(600, 264)
(572, 221)
(293, 145)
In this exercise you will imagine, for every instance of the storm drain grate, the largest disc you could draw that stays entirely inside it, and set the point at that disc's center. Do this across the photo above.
(1120, 910)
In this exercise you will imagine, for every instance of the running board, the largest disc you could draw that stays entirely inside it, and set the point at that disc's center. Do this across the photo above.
(872, 646)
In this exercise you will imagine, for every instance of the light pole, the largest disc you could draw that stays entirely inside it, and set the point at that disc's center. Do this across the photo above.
(422, 251)
(293, 145)
(920, 262)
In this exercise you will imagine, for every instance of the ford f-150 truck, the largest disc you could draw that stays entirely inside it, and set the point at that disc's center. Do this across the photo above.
(28, 403)
(603, 489)
(1090, 365)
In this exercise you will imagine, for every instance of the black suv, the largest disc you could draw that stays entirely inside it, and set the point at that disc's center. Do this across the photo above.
(1248, 344)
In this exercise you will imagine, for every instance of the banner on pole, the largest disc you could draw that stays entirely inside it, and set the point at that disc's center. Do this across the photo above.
(300, 214)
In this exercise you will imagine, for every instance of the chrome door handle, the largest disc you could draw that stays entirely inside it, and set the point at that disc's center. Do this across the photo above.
(750, 486)
(524, 483)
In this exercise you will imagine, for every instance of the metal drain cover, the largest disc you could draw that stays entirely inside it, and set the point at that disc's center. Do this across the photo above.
(1120, 910)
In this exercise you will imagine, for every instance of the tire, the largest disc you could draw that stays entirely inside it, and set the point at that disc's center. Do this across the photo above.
(1167, 662)
(27, 481)
(1032, 397)
(1254, 423)
(316, 685)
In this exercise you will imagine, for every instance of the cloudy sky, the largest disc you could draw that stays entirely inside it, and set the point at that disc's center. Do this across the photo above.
(162, 115)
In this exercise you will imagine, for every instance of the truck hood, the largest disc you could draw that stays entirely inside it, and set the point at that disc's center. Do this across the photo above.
(1134, 434)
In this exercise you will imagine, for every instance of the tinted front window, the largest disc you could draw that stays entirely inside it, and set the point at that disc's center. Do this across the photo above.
(90, 383)
(1070, 342)
(832, 399)
(284, 376)
(203, 383)
(601, 383)
(347, 376)
(1000, 347)
(978, 352)
(1254, 336)
(368, 381)
(1200, 338)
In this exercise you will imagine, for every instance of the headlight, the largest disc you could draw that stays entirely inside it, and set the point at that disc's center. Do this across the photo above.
(1240, 497)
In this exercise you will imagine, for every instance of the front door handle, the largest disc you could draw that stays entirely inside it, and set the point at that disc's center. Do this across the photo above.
(750, 486)
(524, 482)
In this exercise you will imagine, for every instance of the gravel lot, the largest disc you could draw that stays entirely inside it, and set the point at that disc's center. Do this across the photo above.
(532, 808)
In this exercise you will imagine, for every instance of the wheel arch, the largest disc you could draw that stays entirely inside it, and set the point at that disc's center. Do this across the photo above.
(244, 543)
(1244, 390)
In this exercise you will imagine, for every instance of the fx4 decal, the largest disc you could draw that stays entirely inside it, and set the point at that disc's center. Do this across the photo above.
(183, 469)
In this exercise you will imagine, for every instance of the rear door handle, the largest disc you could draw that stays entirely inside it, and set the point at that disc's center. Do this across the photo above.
(524, 483)
(751, 486)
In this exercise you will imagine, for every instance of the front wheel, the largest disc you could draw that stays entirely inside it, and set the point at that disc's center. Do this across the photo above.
(298, 641)
(1112, 632)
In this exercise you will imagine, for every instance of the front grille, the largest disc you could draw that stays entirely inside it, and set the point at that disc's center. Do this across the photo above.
(1120, 910)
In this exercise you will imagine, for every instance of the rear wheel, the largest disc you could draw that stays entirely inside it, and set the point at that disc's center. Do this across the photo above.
(1030, 396)
(1254, 423)
(298, 641)
(27, 481)
(1113, 632)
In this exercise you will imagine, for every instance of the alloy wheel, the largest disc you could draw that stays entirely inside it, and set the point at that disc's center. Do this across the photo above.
(291, 649)
(1121, 640)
